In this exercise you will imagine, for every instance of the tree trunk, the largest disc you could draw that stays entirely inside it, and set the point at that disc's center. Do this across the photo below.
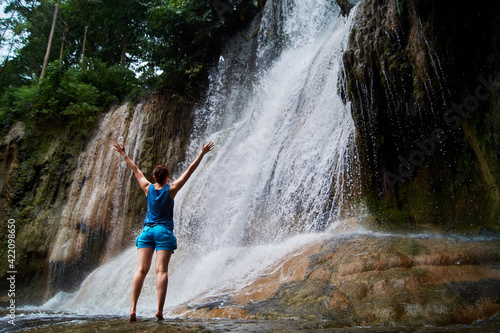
(7, 26)
(65, 32)
(124, 48)
(84, 41)
(49, 45)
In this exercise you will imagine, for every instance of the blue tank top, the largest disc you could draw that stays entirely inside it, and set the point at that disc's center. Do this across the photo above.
(160, 207)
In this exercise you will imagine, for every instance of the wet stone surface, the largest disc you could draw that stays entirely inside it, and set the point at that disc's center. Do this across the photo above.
(66, 322)
(388, 281)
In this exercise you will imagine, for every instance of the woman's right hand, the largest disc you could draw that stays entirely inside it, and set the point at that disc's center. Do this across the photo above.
(179, 183)
(119, 147)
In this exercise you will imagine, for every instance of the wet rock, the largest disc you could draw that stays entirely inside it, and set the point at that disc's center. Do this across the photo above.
(72, 324)
(345, 6)
(409, 67)
(392, 280)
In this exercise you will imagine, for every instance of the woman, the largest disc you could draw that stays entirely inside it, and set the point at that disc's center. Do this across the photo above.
(158, 226)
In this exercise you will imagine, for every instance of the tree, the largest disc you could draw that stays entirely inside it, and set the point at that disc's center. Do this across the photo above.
(184, 37)
(49, 44)
(116, 30)
(180, 37)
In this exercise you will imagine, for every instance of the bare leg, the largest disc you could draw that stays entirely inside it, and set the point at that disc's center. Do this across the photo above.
(144, 256)
(162, 261)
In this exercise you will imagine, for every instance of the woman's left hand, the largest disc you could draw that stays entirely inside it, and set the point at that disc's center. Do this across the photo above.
(206, 148)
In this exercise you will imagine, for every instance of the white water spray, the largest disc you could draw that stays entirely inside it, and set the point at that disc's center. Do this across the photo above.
(279, 145)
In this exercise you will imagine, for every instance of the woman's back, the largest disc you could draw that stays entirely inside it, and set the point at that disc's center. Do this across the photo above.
(160, 207)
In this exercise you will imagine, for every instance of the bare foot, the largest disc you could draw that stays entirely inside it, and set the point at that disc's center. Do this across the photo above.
(132, 316)
(159, 316)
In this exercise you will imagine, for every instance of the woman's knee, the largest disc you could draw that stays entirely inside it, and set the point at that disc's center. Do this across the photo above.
(161, 269)
(141, 269)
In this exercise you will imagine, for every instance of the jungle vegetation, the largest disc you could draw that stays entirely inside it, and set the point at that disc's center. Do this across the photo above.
(68, 60)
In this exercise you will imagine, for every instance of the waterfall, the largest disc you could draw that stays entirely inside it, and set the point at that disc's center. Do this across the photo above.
(281, 139)
(278, 175)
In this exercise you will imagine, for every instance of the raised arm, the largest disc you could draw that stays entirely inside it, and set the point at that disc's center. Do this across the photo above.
(179, 183)
(143, 182)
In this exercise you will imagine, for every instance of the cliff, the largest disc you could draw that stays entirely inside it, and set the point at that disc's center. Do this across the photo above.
(422, 79)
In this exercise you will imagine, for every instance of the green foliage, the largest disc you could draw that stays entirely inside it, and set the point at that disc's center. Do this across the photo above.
(16, 103)
(184, 37)
(110, 28)
(77, 94)
(179, 39)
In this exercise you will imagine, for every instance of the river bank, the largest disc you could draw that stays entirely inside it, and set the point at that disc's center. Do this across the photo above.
(34, 321)
(347, 282)
(370, 280)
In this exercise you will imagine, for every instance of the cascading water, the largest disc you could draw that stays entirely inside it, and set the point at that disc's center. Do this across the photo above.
(277, 174)
(280, 144)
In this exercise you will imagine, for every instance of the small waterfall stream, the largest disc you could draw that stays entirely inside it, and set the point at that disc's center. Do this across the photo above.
(276, 181)
(92, 216)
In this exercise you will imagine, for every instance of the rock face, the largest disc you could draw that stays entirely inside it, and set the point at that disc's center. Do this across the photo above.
(9, 148)
(422, 78)
(372, 280)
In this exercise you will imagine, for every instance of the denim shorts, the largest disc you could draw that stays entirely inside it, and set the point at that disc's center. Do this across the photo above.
(157, 237)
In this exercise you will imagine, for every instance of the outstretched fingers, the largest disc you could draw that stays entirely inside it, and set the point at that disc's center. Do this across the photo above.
(208, 147)
(119, 147)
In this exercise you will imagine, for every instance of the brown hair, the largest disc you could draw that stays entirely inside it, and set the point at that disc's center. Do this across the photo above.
(160, 173)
